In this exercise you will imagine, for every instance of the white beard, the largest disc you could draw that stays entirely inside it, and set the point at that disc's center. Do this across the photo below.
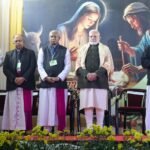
(140, 32)
(93, 43)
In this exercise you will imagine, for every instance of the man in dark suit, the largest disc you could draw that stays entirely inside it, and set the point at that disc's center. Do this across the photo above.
(19, 67)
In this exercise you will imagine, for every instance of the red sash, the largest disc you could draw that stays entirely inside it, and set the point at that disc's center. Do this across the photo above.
(61, 112)
(27, 95)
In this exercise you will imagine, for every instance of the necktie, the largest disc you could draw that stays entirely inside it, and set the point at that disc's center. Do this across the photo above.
(53, 50)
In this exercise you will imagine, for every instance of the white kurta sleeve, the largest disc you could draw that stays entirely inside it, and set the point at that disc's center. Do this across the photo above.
(41, 69)
(67, 67)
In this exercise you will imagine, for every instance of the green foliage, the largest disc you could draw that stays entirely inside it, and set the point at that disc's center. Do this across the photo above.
(94, 138)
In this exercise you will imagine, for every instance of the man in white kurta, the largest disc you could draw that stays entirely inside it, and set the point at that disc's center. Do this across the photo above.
(93, 68)
(53, 65)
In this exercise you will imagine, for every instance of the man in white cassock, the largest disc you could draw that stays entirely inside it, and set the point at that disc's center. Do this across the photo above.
(93, 69)
(54, 65)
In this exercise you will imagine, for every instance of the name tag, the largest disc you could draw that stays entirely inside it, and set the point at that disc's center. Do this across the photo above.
(53, 62)
(18, 66)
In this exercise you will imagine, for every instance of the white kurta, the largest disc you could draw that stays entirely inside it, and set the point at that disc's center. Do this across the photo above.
(147, 119)
(47, 115)
(13, 115)
(93, 98)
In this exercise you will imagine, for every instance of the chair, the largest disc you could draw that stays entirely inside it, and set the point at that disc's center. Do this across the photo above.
(71, 109)
(107, 117)
(2, 101)
(35, 102)
(72, 101)
(133, 104)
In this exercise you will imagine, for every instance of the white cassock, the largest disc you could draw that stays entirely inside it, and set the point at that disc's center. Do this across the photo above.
(47, 115)
(13, 115)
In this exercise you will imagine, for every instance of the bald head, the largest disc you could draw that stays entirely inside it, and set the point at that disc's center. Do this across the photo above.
(54, 37)
(94, 37)
(18, 41)
(17, 35)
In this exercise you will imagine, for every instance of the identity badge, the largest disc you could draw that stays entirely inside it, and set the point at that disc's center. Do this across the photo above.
(18, 66)
(53, 62)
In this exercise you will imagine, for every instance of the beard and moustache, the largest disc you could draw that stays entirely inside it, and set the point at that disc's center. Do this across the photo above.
(140, 32)
(94, 42)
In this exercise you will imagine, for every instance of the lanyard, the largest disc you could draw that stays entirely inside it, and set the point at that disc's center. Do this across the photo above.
(53, 51)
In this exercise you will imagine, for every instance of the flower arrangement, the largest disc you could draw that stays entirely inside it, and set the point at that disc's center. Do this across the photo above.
(95, 138)
(135, 140)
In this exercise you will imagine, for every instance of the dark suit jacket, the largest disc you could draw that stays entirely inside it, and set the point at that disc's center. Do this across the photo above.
(28, 66)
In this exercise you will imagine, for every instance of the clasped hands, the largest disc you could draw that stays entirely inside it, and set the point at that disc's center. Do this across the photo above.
(19, 80)
(92, 76)
(52, 79)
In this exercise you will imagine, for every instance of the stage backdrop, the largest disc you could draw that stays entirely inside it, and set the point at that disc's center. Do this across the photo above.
(70, 16)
